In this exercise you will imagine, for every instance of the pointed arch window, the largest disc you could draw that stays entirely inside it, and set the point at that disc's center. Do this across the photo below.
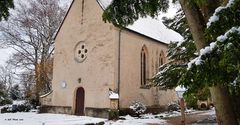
(161, 59)
(144, 66)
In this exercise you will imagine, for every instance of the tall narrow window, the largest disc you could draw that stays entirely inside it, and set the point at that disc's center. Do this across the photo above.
(144, 67)
(161, 59)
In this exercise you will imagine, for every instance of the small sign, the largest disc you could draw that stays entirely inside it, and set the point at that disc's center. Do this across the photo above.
(63, 84)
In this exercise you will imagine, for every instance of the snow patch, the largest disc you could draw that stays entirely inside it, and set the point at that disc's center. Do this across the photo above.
(221, 38)
(45, 95)
(180, 88)
(183, 48)
(235, 81)
(210, 112)
(19, 102)
(145, 119)
(198, 61)
(212, 19)
(215, 18)
(113, 95)
(190, 64)
(208, 49)
(225, 36)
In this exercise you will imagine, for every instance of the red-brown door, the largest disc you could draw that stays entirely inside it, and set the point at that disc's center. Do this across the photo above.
(80, 101)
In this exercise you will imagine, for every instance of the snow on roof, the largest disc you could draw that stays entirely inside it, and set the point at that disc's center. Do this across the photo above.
(150, 27)
(155, 29)
(45, 95)
(113, 95)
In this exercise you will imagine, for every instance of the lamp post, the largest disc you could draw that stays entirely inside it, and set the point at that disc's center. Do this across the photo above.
(180, 90)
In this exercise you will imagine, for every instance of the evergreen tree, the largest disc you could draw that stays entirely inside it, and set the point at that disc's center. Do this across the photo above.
(179, 53)
(15, 92)
(124, 12)
(218, 62)
(4, 98)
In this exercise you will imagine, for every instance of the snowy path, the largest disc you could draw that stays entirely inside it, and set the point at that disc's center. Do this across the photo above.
(206, 117)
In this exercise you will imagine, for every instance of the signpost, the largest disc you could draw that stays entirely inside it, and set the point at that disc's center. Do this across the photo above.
(180, 92)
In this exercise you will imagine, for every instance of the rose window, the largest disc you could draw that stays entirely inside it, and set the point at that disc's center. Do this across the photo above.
(81, 52)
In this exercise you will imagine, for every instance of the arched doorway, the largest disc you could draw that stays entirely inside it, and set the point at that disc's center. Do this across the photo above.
(79, 106)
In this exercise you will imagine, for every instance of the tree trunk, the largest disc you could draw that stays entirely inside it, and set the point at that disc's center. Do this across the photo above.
(38, 84)
(197, 18)
(196, 23)
(222, 102)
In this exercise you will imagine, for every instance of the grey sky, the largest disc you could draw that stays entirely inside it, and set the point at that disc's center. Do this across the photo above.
(6, 53)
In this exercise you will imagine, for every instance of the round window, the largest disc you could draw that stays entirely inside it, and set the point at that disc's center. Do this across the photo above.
(80, 52)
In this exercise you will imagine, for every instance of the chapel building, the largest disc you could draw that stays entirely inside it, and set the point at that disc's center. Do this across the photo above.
(93, 59)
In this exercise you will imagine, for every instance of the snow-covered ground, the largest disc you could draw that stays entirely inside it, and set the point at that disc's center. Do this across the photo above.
(144, 120)
(45, 119)
(31, 118)
(61, 119)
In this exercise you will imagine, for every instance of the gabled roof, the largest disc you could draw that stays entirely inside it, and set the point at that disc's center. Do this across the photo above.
(149, 27)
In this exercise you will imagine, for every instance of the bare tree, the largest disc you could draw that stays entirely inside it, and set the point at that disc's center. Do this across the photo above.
(6, 81)
(6, 76)
(30, 31)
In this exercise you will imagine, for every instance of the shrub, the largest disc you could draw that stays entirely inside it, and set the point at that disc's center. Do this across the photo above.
(138, 107)
(191, 100)
(173, 107)
(113, 114)
(5, 101)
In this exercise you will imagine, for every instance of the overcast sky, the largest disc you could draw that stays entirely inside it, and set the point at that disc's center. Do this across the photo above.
(6, 53)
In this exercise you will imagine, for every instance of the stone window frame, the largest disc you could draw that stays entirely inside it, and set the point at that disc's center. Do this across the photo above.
(161, 59)
(144, 67)
(80, 52)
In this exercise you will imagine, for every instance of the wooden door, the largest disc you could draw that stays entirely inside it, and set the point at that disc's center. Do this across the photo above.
(79, 110)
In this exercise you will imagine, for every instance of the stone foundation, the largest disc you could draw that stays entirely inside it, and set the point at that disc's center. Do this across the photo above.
(97, 112)
(150, 109)
(94, 112)
(56, 109)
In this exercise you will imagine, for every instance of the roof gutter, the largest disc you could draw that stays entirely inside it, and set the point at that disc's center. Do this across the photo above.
(119, 66)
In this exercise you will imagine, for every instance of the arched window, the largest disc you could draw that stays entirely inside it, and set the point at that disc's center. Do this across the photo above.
(161, 59)
(144, 65)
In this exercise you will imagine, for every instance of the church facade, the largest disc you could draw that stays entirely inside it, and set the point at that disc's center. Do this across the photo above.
(93, 58)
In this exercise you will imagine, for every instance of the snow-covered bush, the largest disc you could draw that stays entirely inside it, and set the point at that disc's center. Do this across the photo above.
(173, 106)
(138, 107)
(17, 106)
